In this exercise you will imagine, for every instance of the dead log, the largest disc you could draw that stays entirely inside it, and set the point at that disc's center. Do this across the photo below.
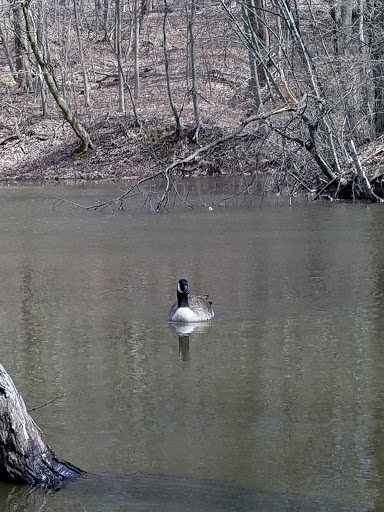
(370, 194)
(25, 457)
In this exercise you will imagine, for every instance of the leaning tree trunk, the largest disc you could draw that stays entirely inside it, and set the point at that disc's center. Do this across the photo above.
(25, 456)
(49, 77)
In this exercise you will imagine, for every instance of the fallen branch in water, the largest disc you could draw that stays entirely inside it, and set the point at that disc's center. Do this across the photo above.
(169, 172)
(43, 405)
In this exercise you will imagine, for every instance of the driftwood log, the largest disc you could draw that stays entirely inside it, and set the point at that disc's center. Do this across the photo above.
(25, 456)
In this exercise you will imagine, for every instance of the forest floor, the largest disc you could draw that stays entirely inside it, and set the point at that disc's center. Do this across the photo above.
(34, 148)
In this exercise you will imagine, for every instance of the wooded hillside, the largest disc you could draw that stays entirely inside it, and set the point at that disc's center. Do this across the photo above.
(291, 90)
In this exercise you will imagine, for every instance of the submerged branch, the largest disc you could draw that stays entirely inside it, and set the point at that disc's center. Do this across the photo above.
(44, 404)
(242, 192)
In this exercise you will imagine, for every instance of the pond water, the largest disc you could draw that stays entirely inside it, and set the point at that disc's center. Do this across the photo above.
(278, 404)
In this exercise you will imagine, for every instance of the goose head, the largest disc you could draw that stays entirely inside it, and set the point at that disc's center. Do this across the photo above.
(183, 287)
(182, 293)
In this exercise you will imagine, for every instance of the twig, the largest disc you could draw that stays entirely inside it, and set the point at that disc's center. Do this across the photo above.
(46, 403)
(324, 188)
(300, 181)
(180, 198)
(242, 191)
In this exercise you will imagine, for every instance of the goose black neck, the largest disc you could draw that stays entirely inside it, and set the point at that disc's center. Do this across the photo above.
(182, 300)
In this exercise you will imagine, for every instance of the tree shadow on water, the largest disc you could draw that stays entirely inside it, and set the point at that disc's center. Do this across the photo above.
(150, 493)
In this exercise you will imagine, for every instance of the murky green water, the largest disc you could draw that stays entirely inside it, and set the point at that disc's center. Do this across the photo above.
(282, 396)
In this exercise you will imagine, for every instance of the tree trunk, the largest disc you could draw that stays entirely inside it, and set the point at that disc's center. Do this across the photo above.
(41, 24)
(257, 19)
(137, 47)
(255, 84)
(106, 19)
(8, 54)
(376, 40)
(166, 64)
(81, 54)
(97, 14)
(22, 68)
(25, 456)
(346, 9)
(344, 38)
(118, 46)
(195, 98)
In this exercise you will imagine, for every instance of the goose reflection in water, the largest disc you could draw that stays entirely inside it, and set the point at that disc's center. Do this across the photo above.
(183, 331)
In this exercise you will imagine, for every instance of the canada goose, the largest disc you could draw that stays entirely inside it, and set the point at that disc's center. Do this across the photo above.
(195, 308)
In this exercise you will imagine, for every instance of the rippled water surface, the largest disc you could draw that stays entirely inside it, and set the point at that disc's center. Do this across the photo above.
(276, 405)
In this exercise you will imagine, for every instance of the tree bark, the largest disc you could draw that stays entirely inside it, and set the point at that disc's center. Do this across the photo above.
(25, 456)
